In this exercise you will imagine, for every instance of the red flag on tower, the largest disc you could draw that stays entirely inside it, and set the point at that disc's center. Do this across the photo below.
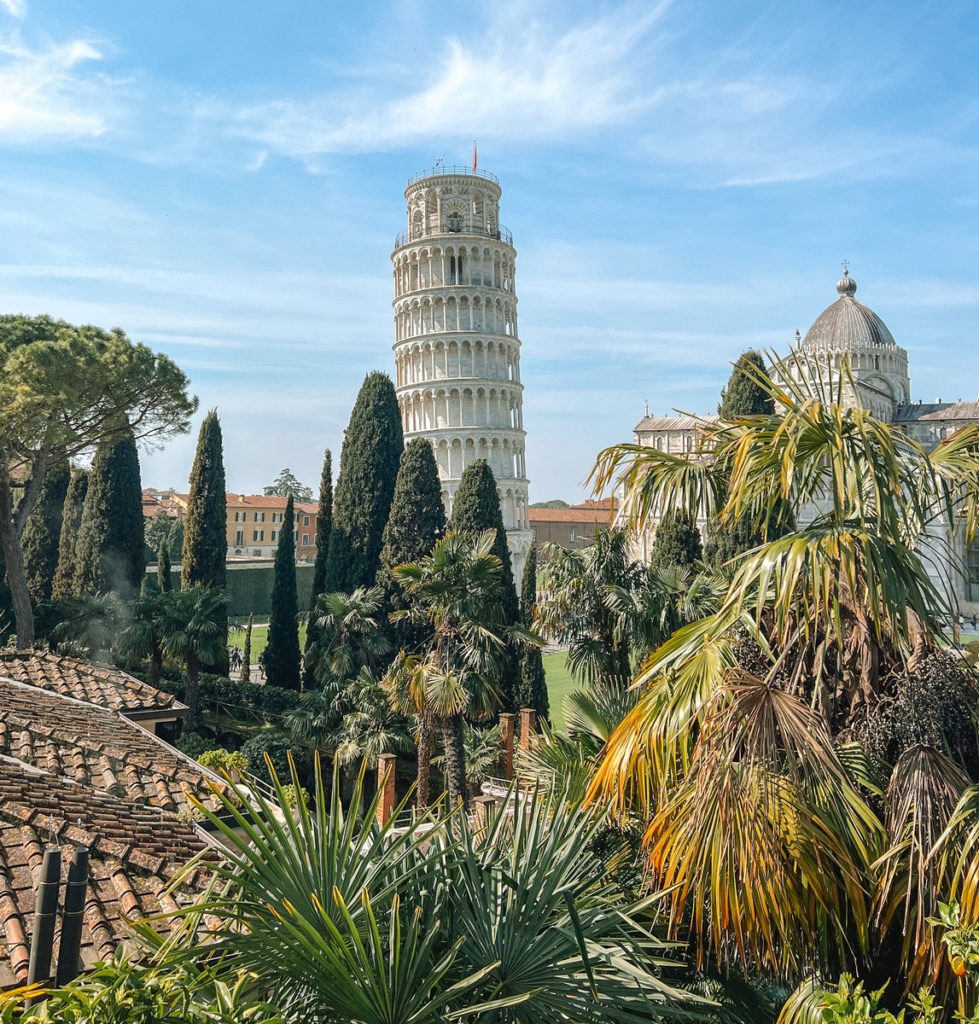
(474, 155)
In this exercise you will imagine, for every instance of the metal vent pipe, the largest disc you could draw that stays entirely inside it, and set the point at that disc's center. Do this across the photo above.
(69, 950)
(45, 918)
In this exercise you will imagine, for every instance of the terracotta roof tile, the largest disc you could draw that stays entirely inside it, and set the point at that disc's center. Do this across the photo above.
(568, 515)
(98, 684)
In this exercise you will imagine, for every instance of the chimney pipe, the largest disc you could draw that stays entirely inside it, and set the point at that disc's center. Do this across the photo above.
(45, 917)
(71, 924)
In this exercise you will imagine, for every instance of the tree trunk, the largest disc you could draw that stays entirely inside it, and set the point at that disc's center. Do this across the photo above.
(425, 736)
(455, 762)
(156, 663)
(16, 576)
(193, 670)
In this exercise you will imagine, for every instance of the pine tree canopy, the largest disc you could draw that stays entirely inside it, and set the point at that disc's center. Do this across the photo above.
(67, 571)
(205, 550)
(744, 396)
(372, 447)
(285, 484)
(42, 534)
(110, 539)
(282, 656)
(677, 541)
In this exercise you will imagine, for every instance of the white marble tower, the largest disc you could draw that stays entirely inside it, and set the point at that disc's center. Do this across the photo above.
(457, 351)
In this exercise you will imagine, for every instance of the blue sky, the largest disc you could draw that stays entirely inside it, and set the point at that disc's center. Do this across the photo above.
(224, 181)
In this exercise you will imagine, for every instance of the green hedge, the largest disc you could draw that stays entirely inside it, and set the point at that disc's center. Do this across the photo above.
(250, 588)
(240, 700)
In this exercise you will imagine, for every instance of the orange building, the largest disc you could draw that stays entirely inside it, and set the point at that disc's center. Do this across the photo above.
(573, 527)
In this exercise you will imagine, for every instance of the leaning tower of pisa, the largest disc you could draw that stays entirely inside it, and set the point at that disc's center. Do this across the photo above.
(456, 350)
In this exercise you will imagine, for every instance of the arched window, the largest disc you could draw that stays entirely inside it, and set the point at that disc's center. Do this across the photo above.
(659, 444)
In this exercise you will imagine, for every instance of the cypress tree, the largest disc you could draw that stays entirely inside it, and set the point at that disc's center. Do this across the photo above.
(324, 527)
(205, 548)
(416, 522)
(163, 579)
(110, 538)
(42, 533)
(677, 541)
(64, 578)
(246, 654)
(372, 446)
(477, 508)
(282, 651)
(532, 689)
(744, 396)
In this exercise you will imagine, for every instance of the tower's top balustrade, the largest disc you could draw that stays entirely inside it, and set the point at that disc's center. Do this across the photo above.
(441, 171)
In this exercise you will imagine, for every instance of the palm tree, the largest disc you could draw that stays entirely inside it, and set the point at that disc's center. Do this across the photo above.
(341, 918)
(458, 596)
(761, 727)
(612, 611)
(372, 728)
(193, 631)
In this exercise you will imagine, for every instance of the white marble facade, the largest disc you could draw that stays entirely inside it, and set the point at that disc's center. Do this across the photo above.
(456, 350)
(849, 330)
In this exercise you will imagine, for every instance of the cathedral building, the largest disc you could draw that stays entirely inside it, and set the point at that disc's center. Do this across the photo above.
(849, 331)
(456, 349)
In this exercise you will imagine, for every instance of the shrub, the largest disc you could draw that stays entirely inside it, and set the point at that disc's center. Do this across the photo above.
(221, 760)
(277, 745)
(193, 744)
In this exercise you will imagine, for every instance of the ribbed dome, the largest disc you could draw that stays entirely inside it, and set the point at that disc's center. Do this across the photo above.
(847, 324)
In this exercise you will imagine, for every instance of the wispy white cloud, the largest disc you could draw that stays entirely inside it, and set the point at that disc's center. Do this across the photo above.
(43, 92)
(18, 8)
(532, 82)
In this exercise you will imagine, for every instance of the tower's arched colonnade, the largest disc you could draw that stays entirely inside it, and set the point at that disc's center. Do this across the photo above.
(456, 350)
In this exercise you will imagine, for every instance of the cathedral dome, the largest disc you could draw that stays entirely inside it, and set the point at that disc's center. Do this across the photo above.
(847, 324)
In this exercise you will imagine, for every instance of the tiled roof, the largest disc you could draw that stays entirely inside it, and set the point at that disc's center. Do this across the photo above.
(107, 687)
(955, 411)
(98, 748)
(568, 515)
(259, 501)
(650, 423)
(134, 853)
(605, 503)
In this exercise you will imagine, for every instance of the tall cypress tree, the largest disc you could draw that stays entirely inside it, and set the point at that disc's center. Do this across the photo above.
(205, 548)
(110, 538)
(163, 579)
(372, 446)
(477, 508)
(71, 521)
(324, 527)
(416, 522)
(282, 651)
(744, 395)
(532, 689)
(246, 654)
(42, 533)
(677, 541)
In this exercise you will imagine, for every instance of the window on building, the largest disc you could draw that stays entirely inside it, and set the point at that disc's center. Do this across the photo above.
(276, 517)
(659, 444)
(305, 540)
(972, 573)
(275, 536)
(239, 538)
(257, 553)
(943, 433)
(305, 520)
(238, 516)
(258, 535)
(295, 536)
(573, 534)
(297, 519)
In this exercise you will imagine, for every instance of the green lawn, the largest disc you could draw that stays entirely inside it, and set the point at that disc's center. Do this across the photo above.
(559, 685)
(260, 637)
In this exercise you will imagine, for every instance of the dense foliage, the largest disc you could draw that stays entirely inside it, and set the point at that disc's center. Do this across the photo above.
(475, 509)
(677, 541)
(109, 548)
(532, 688)
(324, 527)
(42, 533)
(285, 485)
(372, 446)
(63, 584)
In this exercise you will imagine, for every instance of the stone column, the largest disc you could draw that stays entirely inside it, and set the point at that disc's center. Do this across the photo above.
(385, 782)
(528, 726)
(508, 722)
